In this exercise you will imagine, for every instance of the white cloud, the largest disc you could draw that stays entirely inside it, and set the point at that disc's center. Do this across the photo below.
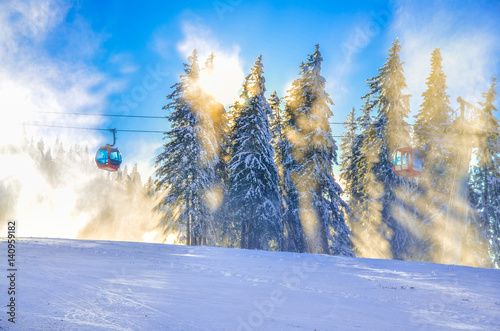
(226, 80)
(28, 21)
(31, 80)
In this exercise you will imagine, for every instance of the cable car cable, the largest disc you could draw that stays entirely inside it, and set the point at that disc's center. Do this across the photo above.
(132, 116)
(149, 117)
(94, 129)
(102, 115)
(99, 129)
(135, 116)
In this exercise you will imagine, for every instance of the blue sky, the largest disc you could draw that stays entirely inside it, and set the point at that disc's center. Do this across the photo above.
(121, 57)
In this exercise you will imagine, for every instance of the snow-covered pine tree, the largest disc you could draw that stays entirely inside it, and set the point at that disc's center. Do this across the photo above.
(321, 210)
(186, 166)
(280, 146)
(347, 171)
(485, 179)
(253, 193)
(134, 179)
(352, 172)
(370, 233)
(278, 137)
(292, 232)
(387, 193)
(434, 110)
(359, 164)
(437, 175)
(368, 229)
(149, 189)
(230, 234)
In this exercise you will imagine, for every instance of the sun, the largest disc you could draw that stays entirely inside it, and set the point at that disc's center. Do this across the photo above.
(224, 82)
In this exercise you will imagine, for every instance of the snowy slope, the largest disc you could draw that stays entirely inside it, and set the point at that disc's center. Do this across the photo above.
(97, 285)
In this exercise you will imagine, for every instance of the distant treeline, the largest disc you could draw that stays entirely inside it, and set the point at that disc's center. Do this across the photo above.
(65, 183)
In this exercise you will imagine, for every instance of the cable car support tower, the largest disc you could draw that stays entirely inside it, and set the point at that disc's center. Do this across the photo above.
(465, 133)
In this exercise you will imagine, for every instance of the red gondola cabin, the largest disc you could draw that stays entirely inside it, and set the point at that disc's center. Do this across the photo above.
(406, 162)
(108, 158)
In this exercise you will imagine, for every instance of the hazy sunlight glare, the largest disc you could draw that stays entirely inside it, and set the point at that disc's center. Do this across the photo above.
(225, 81)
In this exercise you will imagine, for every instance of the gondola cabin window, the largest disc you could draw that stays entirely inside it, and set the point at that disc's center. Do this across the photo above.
(406, 162)
(108, 158)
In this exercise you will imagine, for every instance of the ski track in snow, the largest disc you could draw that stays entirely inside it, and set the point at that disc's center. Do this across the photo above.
(67, 284)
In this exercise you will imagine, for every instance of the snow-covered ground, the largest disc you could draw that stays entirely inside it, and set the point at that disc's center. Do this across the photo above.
(98, 285)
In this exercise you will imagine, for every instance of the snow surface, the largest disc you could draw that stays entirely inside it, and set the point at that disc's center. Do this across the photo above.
(99, 285)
